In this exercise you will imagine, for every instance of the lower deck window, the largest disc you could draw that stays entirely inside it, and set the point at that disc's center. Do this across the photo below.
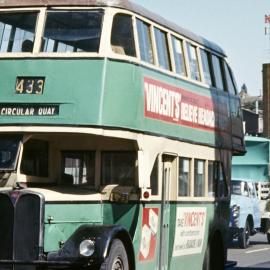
(154, 178)
(35, 158)
(118, 168)
(78, 168)
(199, 178)
(184, 177)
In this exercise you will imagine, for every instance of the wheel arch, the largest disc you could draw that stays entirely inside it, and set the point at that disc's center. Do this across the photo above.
(215, 251)
(250, 221)
(103, 237)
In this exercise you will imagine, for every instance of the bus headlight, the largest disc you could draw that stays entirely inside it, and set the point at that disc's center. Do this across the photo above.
(87, 248)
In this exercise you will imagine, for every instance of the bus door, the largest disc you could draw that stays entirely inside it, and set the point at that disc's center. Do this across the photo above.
(167, 180)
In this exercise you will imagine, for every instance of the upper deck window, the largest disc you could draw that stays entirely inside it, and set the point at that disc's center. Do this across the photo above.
(72, 31)
(217, 71)
(122, 39)
(17, 32)
(145, 41)
(162, 49)
(179, 56)
(206, 65)
(229, 80)
(193, 62)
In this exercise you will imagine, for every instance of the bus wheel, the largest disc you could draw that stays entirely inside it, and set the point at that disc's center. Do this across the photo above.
(117, 258)
(214, 255)
(268, 238)
(244, 235)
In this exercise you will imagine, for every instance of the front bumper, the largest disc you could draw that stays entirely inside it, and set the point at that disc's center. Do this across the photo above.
(47, 264)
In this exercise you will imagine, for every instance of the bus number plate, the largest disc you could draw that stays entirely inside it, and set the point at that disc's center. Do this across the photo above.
(30, 85)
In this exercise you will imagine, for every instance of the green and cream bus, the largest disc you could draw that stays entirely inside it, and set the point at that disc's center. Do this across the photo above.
(117, 130)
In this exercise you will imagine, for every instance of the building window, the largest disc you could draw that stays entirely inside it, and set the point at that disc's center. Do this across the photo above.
(199, 178)
(122, 39)
(184, 177)
(145, 41)
(17, 32)
(78, 168)
(179, 59)
(118, 168)
(72, 31)
(162, 49)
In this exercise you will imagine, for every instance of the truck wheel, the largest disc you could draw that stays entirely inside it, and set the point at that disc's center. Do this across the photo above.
(268, 238)
(117, 258)
(244, 235)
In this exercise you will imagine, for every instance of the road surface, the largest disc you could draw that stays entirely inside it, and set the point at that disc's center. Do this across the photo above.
(255, 257)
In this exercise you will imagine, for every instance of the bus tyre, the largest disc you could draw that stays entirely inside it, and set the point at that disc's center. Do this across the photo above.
(117, 258)
(244, 236)
(268, 238)
(214, 256)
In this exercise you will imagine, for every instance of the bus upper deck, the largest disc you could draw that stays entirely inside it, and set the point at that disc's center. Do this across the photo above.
(112, 64)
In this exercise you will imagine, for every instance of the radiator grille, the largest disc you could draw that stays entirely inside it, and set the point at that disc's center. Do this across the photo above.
(21, 216)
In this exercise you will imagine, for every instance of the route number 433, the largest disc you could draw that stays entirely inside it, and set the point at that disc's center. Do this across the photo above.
(30, 85)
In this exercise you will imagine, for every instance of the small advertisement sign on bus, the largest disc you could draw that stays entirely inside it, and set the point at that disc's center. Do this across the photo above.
(189, 231)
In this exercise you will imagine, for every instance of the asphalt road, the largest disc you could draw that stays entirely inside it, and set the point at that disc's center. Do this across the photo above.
(255, 257)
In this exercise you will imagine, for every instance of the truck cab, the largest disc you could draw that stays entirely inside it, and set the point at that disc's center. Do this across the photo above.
(245, 214)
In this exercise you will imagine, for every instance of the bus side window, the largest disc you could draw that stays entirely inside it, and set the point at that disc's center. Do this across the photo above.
(145, 41)
(35, 158)
(154, 178)
(122, 38)
(179, 59)
(199, 178)
(207, 68)
(184, 177)
(15, 29)
(72, 31)
(211, 178)
(230, 84)
(118, 168)
(78, 168)
(217, 72)
(193, 62)
(162, 49)
(222, 183)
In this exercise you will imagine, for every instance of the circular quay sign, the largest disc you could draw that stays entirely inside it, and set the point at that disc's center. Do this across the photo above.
(28, 110)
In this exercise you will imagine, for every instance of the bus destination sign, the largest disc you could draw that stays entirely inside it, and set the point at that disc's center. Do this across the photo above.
(29, 110)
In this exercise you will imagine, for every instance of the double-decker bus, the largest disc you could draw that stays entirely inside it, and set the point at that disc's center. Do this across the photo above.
(117, 130)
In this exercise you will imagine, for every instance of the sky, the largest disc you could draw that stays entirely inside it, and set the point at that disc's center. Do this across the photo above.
(238, 26)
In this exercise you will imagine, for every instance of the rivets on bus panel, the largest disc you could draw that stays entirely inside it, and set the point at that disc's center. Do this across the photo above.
(50, 219)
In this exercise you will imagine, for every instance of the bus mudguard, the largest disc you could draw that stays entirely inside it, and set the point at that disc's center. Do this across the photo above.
(90, 245)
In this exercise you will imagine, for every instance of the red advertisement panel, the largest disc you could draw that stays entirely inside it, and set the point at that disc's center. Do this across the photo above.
(175, 105)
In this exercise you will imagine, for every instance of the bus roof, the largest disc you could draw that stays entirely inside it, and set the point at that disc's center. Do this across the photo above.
(123, 4)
